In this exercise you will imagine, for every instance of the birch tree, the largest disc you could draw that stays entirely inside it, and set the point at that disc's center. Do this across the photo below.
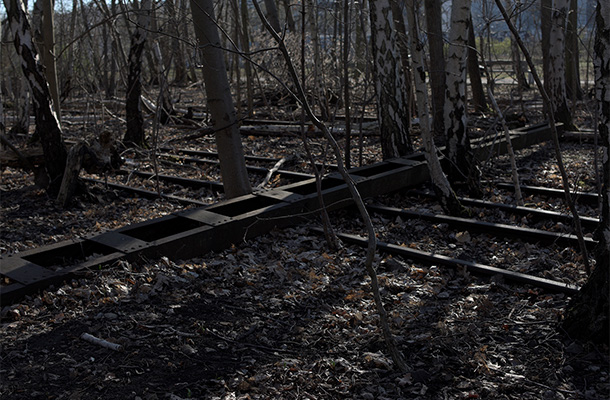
(220, 103)
(390, 83)
(462, 164)
(557, 69)
(47, 125)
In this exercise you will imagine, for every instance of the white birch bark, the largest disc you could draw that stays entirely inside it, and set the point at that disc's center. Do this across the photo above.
(448, 199)
(390, 82)
(47, 124)
(455, 117)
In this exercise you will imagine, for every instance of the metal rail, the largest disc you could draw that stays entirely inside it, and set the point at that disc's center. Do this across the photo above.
(539, 214)
(472, 267)
(498, 230)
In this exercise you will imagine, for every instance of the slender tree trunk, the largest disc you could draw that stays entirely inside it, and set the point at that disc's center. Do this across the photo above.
(289, 18)
(587, 316)
(522, 83)
(180, 75)
(390, 82)
(245, 45)
(574, 91)
(218, 93)
(436, 65)
(48, 56)
(346, 86)
(557, 82)
(47, 125)
(462, 163)
(546, 16)
(478, 94)
(442, 188)
(272, 15)
(403, 46)
(135, 121)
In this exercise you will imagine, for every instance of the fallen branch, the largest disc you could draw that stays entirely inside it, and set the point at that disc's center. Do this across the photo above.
(101, 342)
(272, 171)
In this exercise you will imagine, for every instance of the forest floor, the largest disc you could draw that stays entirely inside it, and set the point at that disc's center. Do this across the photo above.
(284, 316)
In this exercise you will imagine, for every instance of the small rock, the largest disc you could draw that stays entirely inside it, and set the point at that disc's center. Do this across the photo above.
(110, 315)
(463, 237)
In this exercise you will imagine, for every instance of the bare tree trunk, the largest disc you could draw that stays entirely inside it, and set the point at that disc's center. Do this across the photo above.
(245, 45)
(478, 95)
(546, 16)
(436, 66)
(135, 121)
(48, 54)
(574, 91)
(557, 82)
(587, 316)
(442, 188)
(218, 93)
(514, 7)
(462, 163)
(272, 15)
(390, 83)
(403, 46)
(289, 18)
(47, 125)
(346, 86)
(180, 75)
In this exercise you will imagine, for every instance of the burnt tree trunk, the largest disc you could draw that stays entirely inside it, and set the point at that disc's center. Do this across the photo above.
(587, 316)
(47, 125)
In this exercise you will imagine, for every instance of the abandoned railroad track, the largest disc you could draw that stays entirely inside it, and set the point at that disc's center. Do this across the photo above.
(205, 225)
